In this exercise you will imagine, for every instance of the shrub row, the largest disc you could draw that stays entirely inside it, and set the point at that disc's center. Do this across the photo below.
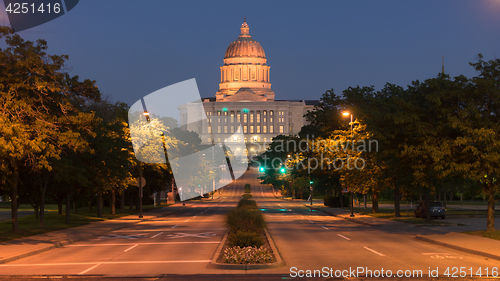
(245, 222)
(247, 188)
(334, 201)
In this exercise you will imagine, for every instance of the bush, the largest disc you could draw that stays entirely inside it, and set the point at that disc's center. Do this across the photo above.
(247, 188)
(247, 196)
(245, 220)
(305, 195)
(334, 201)
(247, 203)
(244, 239)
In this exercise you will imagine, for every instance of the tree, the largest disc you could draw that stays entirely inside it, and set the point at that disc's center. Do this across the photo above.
(38, 121)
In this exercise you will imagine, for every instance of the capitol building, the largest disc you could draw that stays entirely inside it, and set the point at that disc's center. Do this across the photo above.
(245, 97)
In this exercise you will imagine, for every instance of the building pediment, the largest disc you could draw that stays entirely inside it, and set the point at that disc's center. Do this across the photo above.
(245, 94)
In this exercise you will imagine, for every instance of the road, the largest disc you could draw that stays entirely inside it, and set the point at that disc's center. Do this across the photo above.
(184, 243)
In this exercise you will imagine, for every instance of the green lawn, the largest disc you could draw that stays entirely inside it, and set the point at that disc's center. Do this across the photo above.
(492, 234)
(28, 225)
(27, 207)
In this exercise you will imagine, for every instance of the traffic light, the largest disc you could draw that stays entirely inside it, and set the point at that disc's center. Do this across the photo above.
(310, 182)
(282, 170)
(261, 169)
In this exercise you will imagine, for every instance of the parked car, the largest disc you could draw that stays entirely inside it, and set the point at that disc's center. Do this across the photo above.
(437, 210)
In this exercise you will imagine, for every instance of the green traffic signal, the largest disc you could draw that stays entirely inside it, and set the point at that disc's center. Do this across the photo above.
(310, 182)
(282, 170)
(261, 169)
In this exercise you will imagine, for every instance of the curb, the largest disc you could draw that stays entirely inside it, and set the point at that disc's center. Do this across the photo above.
(470, 251)
(340, 216)
(71, 241)
(279, 261)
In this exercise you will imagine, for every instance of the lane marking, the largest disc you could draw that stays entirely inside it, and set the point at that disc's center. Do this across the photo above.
(310, 221)
(175, 226)
(152, 243)
(87, 270)
(156, 235)
(187, 220)
(197, 235)
(343, 237)
(99, 263)
(131, 248)
(380, 254)
(324, 227)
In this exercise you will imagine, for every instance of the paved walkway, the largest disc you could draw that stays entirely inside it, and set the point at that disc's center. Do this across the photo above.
(447, 235)
(23, 247)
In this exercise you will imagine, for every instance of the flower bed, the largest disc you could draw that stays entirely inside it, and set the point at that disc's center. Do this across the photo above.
(247, 255)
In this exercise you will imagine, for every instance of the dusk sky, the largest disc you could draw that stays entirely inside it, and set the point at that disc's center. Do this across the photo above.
(132, 48)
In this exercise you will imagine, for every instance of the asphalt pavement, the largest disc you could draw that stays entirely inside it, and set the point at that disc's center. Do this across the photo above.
(182, 243)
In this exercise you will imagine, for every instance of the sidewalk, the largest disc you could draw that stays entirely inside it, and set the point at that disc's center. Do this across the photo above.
(472, 244)
(24, 247)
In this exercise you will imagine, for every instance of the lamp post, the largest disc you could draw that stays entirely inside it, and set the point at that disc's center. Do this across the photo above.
(140, 175)
(346, 113)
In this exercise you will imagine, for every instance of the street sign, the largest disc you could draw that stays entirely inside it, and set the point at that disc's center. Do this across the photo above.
(143, 182)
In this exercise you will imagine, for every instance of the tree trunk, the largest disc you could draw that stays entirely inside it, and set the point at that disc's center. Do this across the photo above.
(131, 202)
(427, 206)
(36, 212)
(99, 204)
(90, 202)
(158, 193)
(397, 207)
(490, 217)
(375, 202)
(68, 206)
(43, 189)
(122, 202)
(113, 202)
(13, 201)
(59, 206)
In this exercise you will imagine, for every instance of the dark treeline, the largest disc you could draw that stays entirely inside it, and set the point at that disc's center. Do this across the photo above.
(436, 137)
(61, 140)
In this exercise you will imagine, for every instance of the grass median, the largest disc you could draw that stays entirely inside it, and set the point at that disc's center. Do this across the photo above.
(29, 226)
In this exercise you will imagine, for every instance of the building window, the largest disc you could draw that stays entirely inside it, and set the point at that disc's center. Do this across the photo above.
(270, 113)
(264, 129)
(245, 129)
(281, 120)
(290, 129)
(271, 129)
(218, 129)
(209, 139)
(218, 139)
(258, 129)
(225, 119)
(209, 129)
(238, 116)
(258, 117)
(218, 119)
(251, 116)
(251, 129)
(282, 130)
(265, 119)
(225, 113)
(270, 119)
(218, 112)
(245, 118)
(232, 116)
(232, 129)
(225, 129)
(264, 112)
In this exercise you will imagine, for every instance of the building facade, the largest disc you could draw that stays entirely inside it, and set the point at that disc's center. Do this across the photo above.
(245, 97)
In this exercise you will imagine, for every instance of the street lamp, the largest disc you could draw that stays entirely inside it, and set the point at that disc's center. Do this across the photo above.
(345, 114)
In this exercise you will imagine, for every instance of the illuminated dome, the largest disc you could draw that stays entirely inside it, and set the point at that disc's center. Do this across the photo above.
(245, 67)
(245, 46)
